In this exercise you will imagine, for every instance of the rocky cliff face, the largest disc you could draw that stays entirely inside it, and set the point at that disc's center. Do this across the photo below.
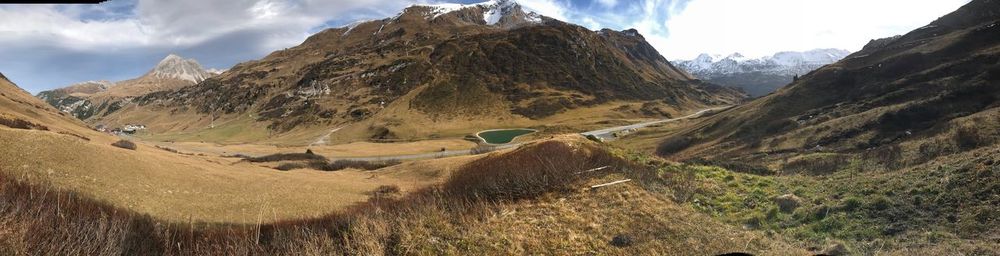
(758, 76)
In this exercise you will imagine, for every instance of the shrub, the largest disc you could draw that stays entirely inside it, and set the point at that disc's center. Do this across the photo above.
(483, 149)
(289, 166)
(124, 144)
(527, 172)
(385, 191)
(816, 164)
(363, 165)
(967, 138)
(736, 166)
(17, 123)
(850, 204)
(674, 144)
(286, 157)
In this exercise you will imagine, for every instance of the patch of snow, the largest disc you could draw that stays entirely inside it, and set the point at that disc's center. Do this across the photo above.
(352, 25)
(707, 66)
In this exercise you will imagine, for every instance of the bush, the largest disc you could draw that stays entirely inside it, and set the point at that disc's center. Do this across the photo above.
(363, 165)
(816, 164)
(385, 191)
(483, 149)
(527, 172)
(290, 166)
(967, 138)
(674, 144)
(286, 157)
(124, 144)
(18, 123)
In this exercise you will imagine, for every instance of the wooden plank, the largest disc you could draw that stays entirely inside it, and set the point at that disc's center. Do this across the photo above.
(592, 170)
(610, 183)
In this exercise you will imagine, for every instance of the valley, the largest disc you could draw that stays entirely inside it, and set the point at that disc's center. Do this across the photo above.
(492, 129)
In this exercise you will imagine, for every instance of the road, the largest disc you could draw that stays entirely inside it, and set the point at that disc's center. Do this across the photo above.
(441, 154)
(609, 133)
(605, 134)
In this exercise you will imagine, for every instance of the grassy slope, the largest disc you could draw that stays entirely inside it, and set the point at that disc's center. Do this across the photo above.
(172, 186)
(468, 213)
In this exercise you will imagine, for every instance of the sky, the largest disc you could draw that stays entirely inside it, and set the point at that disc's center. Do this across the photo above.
(49, 46)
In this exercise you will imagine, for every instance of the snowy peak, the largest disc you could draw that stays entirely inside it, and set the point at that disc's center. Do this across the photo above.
(707, 66)
(503, 13)
(176, 67)
(758, 76)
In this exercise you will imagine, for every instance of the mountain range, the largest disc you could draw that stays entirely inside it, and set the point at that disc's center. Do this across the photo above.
(921, 91)
(450, 65)
(758, 76)
(93, 100)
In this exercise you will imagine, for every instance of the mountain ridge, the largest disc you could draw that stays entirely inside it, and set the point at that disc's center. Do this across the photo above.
(95, 99)
(417, 66)
(758, 76)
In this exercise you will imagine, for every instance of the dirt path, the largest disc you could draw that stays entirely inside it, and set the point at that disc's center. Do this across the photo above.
(325, 138)
(608, 133)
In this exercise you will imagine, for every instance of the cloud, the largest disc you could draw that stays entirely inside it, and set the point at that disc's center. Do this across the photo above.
(56, 45)
(49, 46)
(757, 28)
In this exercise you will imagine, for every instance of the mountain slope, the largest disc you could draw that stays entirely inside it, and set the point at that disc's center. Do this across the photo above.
(932, 82)
(93, 100)
(759, 76)
(435, 66)
(897, 143)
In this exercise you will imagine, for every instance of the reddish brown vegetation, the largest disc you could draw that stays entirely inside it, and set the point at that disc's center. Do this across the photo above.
(18, 123)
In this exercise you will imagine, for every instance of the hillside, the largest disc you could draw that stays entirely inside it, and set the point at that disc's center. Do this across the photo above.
(758, 76)
(458, 68)
(93, 100)
(896, 144)
(937, 82)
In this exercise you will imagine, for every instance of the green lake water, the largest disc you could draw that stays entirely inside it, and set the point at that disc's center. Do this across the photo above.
(503, 136)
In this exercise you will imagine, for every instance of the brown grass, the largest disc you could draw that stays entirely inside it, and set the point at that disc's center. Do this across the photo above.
(38, 220)
(452, 218)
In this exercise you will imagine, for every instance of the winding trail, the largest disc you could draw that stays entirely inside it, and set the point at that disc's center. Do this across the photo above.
(323, 140)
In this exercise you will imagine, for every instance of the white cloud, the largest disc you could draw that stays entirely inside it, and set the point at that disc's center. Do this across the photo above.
(757, 28)
(222, 33)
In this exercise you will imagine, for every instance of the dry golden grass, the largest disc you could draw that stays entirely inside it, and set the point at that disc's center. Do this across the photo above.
(355, 149)
(180, 187)
(427, 222)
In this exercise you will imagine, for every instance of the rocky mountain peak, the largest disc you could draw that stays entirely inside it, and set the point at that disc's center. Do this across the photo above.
(501, 13)
(177, 67)
(758, 76)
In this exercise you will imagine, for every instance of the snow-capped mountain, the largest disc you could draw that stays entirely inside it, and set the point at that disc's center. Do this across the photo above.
(758, 76)
(174, 66)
